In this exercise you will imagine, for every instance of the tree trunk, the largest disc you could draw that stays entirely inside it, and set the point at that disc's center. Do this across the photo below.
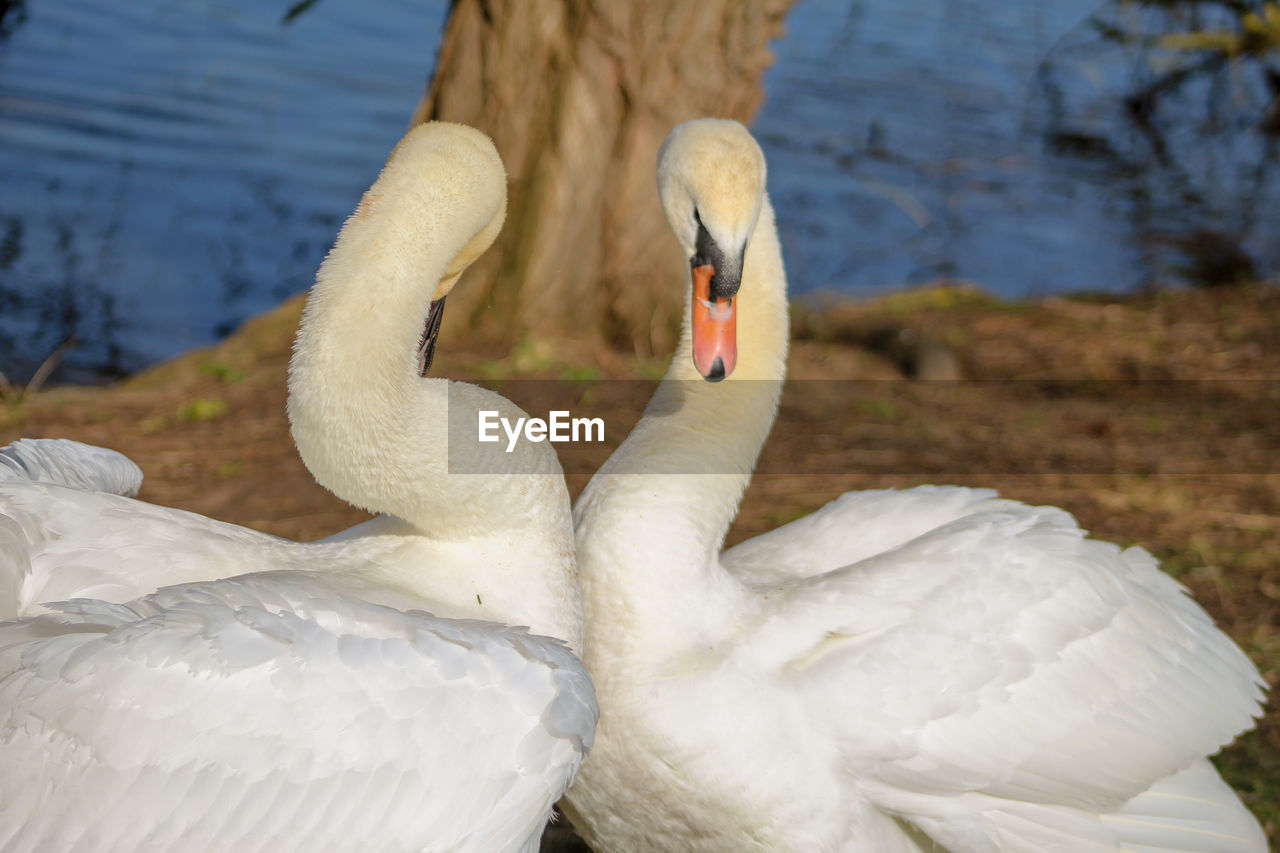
(578, 95)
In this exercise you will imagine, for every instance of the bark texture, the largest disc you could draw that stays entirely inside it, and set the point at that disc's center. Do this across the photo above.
(578, 95)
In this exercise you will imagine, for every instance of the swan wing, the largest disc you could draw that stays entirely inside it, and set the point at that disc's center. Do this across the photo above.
(851, 528)
(1003, 674)
(278, 712)
(69, 463)
(58, 543)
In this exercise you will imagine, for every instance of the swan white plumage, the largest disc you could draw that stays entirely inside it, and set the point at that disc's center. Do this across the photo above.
(70, 463)
(919, 670)
(340, 695)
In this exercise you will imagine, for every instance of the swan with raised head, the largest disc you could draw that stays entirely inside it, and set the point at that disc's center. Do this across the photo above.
(920, 670)
(370, 692)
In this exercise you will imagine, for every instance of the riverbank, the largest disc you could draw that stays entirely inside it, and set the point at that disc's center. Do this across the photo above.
(1150, 418)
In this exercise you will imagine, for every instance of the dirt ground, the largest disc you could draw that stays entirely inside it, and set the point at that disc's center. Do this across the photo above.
(1152, 419)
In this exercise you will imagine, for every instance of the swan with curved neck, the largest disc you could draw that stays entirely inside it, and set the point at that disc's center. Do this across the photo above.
(920, 670)
(370, 427)
(283, 696)
(375, 432)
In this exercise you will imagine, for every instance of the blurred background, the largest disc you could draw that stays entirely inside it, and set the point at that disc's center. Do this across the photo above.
(173, 167)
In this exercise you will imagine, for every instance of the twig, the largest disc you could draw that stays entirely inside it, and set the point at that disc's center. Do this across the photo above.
(13, 394)
(47, 366)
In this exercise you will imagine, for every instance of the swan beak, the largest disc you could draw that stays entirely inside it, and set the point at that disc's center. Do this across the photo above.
(715, 328)
(430, 334)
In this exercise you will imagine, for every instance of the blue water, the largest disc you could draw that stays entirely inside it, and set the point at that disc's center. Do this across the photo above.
(911, 141)
(171, 167)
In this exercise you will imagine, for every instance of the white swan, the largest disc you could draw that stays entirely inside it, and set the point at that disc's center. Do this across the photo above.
(289, 696)
(900, 671)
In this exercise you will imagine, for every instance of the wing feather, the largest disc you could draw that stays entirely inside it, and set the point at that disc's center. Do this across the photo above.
(852, 528)
(280, 712)
(63, 462)
(1004, 657)
(1192, 810)
(59, 543)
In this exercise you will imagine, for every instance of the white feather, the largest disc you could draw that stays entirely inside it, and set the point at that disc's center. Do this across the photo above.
(69, 463)
(163, 719)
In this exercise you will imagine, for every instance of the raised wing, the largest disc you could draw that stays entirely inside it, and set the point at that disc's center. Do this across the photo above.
(1005, 678)
(851, 528)
(69, 463)
(281, 712)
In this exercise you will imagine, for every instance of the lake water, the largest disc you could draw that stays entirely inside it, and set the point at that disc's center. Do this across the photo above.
(171, 167)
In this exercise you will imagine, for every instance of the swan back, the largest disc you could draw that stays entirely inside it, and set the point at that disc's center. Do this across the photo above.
(281, 712)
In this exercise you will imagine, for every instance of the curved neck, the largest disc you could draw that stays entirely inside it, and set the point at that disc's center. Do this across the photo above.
(667, 496)
(377, 435)
(357, 408)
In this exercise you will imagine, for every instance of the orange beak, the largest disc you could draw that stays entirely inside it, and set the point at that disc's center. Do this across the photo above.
(715, 329)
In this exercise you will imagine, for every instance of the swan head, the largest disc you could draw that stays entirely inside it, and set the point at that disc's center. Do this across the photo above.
(467, 254)
(711, 179)
(438, 169)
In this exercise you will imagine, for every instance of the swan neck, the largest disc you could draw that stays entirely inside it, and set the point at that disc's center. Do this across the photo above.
(377, 435)
(651, 522)
(717, 429)
(353, 383)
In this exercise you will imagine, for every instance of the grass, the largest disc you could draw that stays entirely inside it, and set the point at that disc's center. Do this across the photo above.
(202, 409)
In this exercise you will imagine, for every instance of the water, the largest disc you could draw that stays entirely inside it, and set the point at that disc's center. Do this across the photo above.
(915, 141)
(171, 167)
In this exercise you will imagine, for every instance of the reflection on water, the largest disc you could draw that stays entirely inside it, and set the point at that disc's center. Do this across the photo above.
(171, 167)
(994, 141)
(1184, 140)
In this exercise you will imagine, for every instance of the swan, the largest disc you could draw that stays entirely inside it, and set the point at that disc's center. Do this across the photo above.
(168, 681)
(919, 670)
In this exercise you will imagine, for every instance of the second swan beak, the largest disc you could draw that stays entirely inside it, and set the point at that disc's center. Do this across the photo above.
(715, 328)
